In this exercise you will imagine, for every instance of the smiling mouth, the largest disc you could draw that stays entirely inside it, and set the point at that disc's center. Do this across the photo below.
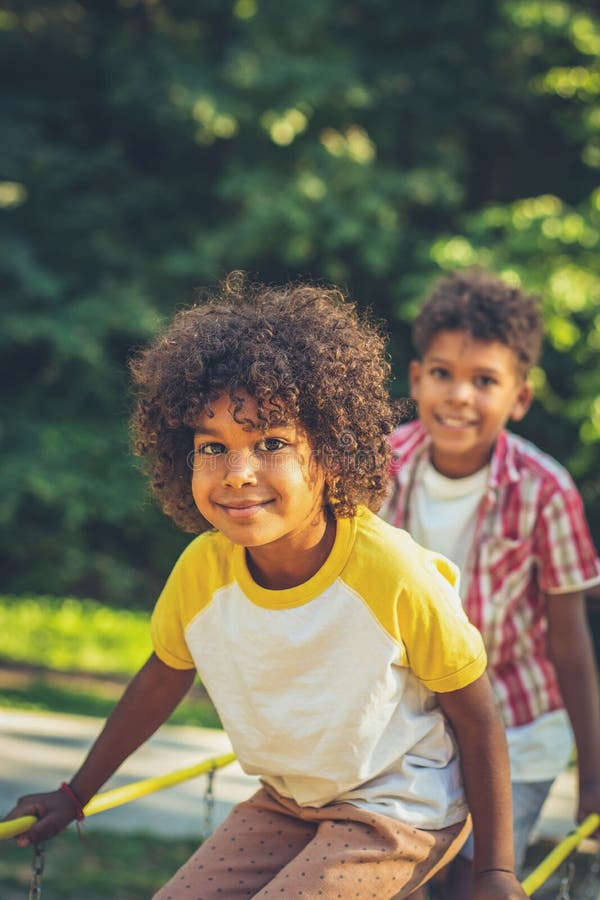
(244, 510)
(454, 422)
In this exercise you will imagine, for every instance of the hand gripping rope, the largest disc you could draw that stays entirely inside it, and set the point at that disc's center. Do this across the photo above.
(117, 797)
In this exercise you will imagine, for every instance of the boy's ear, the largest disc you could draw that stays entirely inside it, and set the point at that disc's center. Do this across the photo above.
(522, 401)
(414, 377)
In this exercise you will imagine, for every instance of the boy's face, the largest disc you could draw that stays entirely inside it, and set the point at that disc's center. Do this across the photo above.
(263, 490)
(466, 391)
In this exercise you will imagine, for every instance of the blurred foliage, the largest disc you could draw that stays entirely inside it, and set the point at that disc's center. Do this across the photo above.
(73, 635)
(148, 147)
(76, 656)
(40, 694)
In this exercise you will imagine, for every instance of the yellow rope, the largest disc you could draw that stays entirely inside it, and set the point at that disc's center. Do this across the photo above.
(560, 853)
(129, 792)
(120, 795)
(16, 826)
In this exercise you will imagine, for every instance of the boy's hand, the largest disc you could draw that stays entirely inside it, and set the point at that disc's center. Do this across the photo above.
(494, 885)
(53, 810)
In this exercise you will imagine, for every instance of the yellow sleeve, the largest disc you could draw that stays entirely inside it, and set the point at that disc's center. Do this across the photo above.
(166, 625)
(189, 589)
(413, 594)
(444, 650)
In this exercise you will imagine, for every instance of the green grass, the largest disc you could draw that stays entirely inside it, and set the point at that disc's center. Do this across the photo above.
(73, 635)
(75, 656)
(102, 866)
(40, 697)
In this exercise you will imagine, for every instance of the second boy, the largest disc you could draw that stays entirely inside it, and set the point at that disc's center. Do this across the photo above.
(511, 518)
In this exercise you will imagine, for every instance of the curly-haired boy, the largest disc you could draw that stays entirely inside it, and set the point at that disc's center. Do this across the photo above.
(330, 642)
(511, 518)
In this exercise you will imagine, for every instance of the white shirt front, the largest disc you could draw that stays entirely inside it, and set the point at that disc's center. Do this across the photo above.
(327, 689)
(540, 750)
(443, 512)
(442, 517)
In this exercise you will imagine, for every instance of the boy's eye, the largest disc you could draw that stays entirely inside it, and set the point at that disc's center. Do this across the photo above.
(270, 444)
(439, 372)
(484, 381)
(210, 449)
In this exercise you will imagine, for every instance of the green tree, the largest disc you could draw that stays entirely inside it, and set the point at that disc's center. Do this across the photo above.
(149, 147)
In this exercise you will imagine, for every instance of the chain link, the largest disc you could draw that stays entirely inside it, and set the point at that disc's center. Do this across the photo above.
(564, 891)
(590, 886)
(37, 870)
(209, 803)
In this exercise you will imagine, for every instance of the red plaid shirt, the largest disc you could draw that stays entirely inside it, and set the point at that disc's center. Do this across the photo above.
(531, 538)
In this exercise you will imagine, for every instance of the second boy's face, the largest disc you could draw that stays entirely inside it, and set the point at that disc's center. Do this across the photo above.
(263, 490)
(466, 391)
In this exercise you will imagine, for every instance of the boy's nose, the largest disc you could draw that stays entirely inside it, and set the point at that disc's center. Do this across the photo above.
(240, 469)
(460, 392)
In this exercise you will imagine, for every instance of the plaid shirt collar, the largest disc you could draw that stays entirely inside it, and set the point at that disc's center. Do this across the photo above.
(413, 447)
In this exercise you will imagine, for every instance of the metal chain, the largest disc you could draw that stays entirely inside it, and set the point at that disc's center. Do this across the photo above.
(564, 891)
(590, 886)
(37, 870)
(209, 802)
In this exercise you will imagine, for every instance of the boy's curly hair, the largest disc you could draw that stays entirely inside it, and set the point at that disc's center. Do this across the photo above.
(484, 305)
(302, 352)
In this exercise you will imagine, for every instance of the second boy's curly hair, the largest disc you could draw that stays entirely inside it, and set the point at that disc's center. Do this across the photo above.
(302, 352)
(487, 307)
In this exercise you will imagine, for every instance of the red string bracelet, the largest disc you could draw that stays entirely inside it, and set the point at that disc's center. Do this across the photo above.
(68, 790)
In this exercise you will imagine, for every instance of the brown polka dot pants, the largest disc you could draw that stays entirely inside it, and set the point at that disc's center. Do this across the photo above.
(269, 847)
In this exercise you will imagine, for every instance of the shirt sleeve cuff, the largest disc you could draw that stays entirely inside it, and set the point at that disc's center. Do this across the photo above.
(465, 676)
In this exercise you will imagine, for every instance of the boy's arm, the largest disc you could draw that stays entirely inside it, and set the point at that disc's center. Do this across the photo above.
(147, 702)
(484, 760)
(571, 651)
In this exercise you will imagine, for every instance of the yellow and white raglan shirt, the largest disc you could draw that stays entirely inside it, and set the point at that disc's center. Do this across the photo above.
(326, 690)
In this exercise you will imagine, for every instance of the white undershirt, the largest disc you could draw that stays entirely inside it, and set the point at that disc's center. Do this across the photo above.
(442, 517)
(443, 512)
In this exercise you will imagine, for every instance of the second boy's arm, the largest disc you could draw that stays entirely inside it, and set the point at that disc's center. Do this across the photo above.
(147, 702)
(570, 649)
(484, 760)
